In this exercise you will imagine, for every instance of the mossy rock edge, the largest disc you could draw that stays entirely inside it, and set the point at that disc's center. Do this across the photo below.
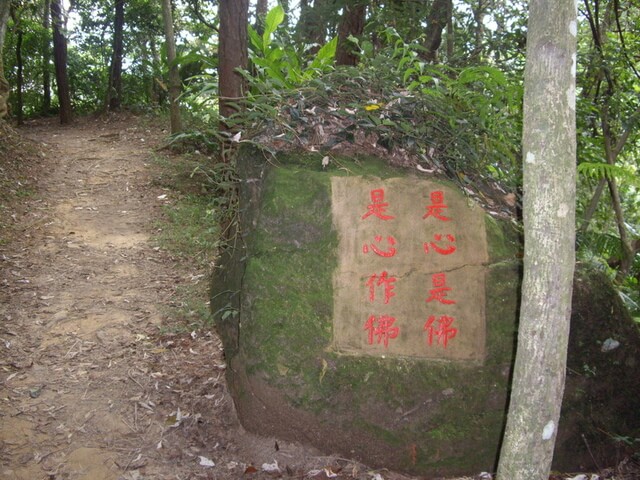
(272, 301)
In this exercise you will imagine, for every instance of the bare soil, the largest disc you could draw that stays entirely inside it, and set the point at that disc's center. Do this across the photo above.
(97, 381)
(93, 383)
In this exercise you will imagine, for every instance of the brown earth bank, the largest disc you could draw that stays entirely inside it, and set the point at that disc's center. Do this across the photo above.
(98, 380)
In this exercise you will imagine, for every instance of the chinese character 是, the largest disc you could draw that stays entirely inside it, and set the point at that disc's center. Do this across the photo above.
(389, 252)
(438, 247)
(437, 206)
(378, 206)
(385, 280)
(443, 332)
(384, 329)
(440, 289)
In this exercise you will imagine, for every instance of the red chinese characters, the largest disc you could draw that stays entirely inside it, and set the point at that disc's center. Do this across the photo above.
(381, 327)
(437, 207)
(380, 286)
(440, 329)
(440, 289)
(377, 247)
(382, 280)
(437, 245)
(442, 244)
(378, 206)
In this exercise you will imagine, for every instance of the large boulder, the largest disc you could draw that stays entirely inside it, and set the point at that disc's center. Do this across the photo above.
(392, 340)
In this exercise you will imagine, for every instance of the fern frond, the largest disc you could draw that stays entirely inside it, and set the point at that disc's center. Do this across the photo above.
(598, 170)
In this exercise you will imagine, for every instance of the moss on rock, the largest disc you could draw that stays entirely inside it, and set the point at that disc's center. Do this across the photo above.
(273, 299)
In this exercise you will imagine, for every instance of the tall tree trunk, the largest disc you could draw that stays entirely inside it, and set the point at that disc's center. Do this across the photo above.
(234, 18)
(19, 77)
(174, 75)
(593, 205)
(155, 92)
(60, 61)
(478, 15)
(352, 23)
(5, 7)
(262, 8)
(311, 28)
(114, 91)
(549, 147)
(438, 18)
(612, 150)
(450, 31)
(46, 58)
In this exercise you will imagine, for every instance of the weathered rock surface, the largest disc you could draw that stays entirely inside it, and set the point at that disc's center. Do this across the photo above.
(274, 299)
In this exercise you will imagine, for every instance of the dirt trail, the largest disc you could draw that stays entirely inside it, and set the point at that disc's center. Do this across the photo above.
(90, 387)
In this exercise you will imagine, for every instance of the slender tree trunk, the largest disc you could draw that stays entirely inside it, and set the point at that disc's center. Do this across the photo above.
(19, 78)
(549, 146)
(450, 31)
(593, 205)
(311, 28)
(352, 23)
(234, 18)
(60, 60)
(46, 58)
(611, 153)
(262, 8)
(478, 16)
(600, 24)
(154, 88)
(114, 91)
(5, 7)
(436, 22)
(174, 75)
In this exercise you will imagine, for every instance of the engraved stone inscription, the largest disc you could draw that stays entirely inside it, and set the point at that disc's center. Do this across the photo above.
(410, 279)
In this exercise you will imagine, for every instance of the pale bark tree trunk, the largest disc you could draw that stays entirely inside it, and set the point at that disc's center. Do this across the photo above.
(234, 18)
(114, 90)
(5, 7)
(60, 61)
(549, 148)
(174, 75)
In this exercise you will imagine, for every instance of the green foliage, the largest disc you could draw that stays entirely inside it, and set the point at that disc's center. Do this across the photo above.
(598, 170)
(277, 63)
(464, 122)
(192, 229)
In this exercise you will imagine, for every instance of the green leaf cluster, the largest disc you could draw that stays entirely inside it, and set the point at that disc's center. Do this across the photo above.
(277, 63)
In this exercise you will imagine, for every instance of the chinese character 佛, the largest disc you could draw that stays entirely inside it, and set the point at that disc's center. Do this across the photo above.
(437, 207)
(378, 206)
(383, 328)
(440, 289)
(443, 332)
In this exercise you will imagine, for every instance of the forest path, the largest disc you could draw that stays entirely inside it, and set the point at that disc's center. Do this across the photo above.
(90, 386)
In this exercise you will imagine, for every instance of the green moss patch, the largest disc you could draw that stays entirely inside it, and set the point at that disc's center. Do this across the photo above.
(423, 417)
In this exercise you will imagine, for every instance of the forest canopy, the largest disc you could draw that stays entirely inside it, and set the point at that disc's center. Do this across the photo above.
(433, 82)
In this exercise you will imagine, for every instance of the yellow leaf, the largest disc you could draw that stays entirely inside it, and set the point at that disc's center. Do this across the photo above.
(373, 106)
(324, 369)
